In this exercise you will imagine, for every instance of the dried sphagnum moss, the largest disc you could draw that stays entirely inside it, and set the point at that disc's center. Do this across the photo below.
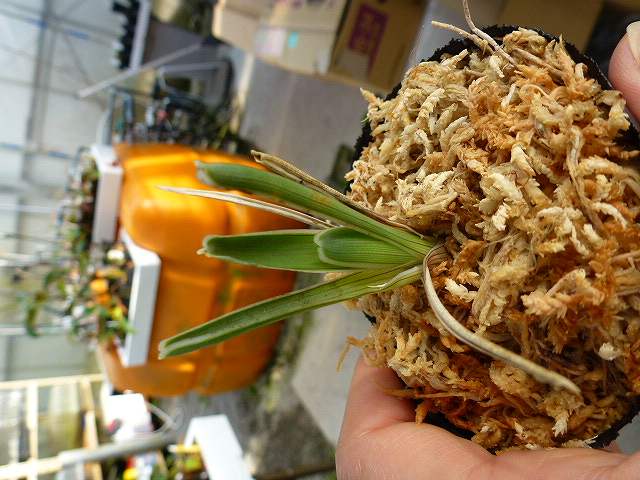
(520, 169)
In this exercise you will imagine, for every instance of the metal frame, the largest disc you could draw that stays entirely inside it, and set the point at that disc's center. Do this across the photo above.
(72, 461)
(35, 465)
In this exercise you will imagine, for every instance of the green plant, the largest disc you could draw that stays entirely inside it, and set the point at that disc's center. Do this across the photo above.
(362, 252)
(84, 287)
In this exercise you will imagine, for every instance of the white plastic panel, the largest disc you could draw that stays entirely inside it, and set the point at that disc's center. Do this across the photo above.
(108, 193)
(131, 412)
(10, 167)
(221, 451)
(19, 41)
(8, 224)
(89, 16)
(79, 62)
(14, 103)
(69, 122)
(47, 170)
(142, 303)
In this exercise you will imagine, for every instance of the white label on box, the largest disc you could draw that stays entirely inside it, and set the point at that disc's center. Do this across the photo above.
(271, 41)
(323, 60)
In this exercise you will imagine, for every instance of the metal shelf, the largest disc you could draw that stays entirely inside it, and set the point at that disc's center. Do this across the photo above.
(34, 465)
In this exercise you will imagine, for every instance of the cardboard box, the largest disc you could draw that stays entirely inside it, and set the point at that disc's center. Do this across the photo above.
(375, 41)
(307, 15)
(573, 19)
(256, 8)
(364, 42)
(237, 22)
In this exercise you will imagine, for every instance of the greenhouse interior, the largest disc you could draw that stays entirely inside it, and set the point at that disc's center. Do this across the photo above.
(320, 239)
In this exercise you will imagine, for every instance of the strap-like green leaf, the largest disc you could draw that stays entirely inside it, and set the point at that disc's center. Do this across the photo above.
(286, 169)
(350, 248)
(270, 311)
(251, 202)
(280, 249)
(267, 184)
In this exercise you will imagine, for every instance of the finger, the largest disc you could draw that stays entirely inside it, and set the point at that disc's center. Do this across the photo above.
(613, 447)
(409, 451)
(574, 463)
(379, 438)
(370, 406)
(406, 451)
(624, 73)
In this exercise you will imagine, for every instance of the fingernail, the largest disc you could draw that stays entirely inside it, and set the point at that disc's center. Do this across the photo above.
(633, 34)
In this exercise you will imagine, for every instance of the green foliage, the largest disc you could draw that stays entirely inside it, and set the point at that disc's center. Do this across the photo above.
(64, 294)
(272, 310)
(350, 248)
(275, 187)
(369, 255)
(288, 250)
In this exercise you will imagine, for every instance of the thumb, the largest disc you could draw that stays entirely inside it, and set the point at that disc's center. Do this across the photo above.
(624, 69)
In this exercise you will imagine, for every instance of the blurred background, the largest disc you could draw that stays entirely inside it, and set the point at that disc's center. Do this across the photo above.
(103, 100)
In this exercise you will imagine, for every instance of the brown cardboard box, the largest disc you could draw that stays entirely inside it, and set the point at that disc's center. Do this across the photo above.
(315, 15)
(573, 19)
(238, 21)
(364, 42)
(631, 5)
(299, 35)
(375, 40)
(250, 7)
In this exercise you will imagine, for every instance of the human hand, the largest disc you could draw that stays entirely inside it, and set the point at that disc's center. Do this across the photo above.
(624, 69)
(380, 440)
